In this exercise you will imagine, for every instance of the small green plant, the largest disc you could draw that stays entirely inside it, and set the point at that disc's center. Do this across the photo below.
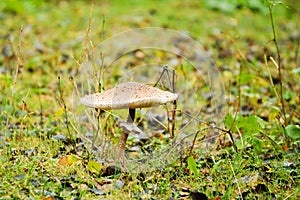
(249, 128)
(192, 165)
(293, 131)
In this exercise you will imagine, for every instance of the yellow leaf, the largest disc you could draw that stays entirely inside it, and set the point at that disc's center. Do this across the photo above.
(274, 113)
(63, 161)
(72, 159)
(94, 167)
(59, 112)
(68, 160)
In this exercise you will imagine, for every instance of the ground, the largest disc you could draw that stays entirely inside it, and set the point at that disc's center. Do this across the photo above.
(237, 116)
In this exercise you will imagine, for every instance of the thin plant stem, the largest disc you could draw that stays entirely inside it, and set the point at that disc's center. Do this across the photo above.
(172, 83)
(297, 52)
(280, 67)
(270, 77)
(174, 105)
(18, 61)
(237, 181)
(62, 101)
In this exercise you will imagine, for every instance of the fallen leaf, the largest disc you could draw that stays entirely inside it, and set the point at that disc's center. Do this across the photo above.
(72, 159)
(94, 167)
(68, 160)
(285, 148)
(63, 161)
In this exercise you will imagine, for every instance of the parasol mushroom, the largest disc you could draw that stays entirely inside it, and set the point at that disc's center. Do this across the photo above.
(129, 95)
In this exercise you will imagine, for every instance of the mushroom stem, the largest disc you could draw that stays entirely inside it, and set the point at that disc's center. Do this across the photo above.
(131, 115)
(124, 135)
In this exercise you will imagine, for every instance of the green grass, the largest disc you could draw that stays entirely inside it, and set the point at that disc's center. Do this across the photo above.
(44, 155)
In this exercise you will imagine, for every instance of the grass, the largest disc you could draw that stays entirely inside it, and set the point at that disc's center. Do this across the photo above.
(43, 154)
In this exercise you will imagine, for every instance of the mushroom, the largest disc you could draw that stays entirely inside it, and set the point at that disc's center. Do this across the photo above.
(129, 95)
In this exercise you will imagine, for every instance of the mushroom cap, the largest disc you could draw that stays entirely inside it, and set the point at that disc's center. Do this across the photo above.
(128, 95)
